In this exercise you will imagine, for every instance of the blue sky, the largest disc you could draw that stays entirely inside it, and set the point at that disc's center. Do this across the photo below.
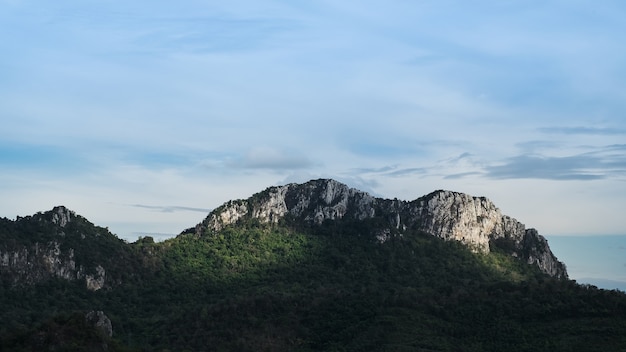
(144, 115)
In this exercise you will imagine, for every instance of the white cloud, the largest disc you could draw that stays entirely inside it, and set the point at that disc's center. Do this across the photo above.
(270, 159)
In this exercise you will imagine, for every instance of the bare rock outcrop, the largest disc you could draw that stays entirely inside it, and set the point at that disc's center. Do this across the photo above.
(40, 262)
(473, 221)
(40, 250)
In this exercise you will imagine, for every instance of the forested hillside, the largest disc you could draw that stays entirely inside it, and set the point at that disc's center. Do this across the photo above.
(291, 285)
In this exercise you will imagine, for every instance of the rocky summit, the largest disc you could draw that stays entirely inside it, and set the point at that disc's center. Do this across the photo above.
(58, 244)
(473, 221)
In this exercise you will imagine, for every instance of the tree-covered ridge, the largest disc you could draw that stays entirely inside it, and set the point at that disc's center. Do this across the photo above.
(335, 287)
(312, 267)
(473, 221)
(60, 243)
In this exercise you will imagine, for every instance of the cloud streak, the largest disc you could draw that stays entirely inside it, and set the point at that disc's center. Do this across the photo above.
(598, 164)
(583, 130)
(171, 208)
(548, 168)
(270, 159)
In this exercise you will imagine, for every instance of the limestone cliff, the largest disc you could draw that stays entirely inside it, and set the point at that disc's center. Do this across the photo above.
(39, 247)
(474, 221)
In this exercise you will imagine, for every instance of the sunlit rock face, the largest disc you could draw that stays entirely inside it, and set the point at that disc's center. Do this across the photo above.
(61, 216)
(473, 221)
(315, 201)
(322, 200)
(228, 214)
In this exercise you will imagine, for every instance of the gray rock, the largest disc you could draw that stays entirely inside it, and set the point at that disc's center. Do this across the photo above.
(62, 216)
(473, 221)
(39, 262)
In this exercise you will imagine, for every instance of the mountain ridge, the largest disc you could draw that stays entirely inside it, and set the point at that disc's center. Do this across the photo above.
(316, 266)
(60, 244)
(473, 221)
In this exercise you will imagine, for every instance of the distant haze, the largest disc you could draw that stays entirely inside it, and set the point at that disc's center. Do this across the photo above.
(595, 260)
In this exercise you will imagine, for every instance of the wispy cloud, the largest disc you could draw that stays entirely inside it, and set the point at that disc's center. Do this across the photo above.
(535, 146)
(171, 208)
(598, 164)
(595, 163)
(582, 130)
(212, 34)
(408, 171)
(376, 170)
(270, 159)
(548, 168)
(462, 175)
(390, 171)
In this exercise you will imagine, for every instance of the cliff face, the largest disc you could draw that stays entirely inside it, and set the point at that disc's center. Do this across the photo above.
(473, 221)
(38, 251)
(40, 262)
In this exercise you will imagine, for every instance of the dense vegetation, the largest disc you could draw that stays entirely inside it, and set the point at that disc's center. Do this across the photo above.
(289, 287)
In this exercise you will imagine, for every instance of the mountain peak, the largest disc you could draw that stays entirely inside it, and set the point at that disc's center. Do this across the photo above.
(61, 215)
(57, 243)
(313, 201)
(473, 221)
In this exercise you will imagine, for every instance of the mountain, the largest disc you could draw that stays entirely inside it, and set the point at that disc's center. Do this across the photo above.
(61, 244)
(473, 221)
(316, 266)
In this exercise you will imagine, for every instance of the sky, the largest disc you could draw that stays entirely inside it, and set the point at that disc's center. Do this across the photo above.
(142, 116)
